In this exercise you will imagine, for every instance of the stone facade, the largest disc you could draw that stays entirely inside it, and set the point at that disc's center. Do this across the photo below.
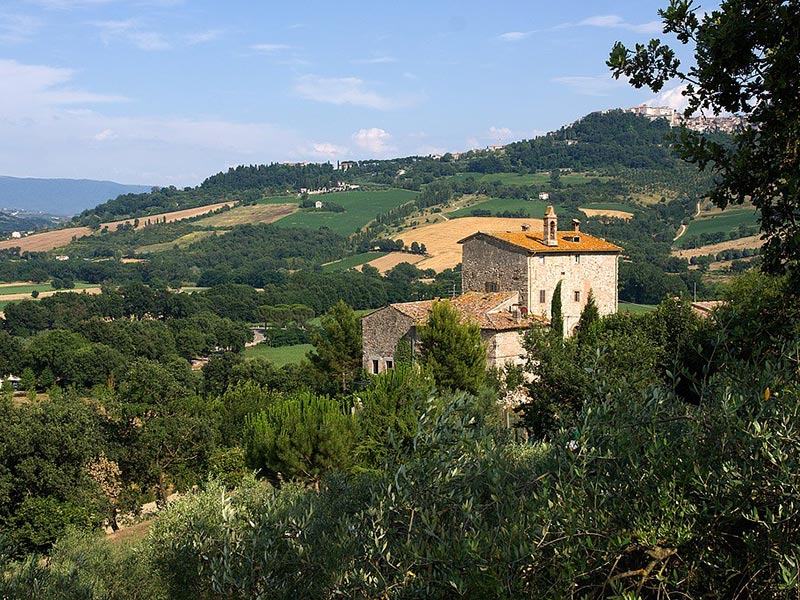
(533, 264)
(381, 331)
(488, 265)
(508, 281)
(497, 314)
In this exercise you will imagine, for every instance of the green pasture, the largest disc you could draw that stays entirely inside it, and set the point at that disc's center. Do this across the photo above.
(280, 355)
(361, 207)
(541, 179)
(611, 206)
(726, 221)
(535, 208)
(353, 261)
(27, 288)
(636, 309)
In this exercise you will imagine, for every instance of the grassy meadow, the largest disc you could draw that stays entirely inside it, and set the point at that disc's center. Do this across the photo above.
(534, 208)
(353, 261)
(280, 355)
(725, 222)
(361, 207)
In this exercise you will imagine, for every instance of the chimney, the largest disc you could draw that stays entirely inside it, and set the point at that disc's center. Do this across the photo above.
(576, 225)
(526, 227)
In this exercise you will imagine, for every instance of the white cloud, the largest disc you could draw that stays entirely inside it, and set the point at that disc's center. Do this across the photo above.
(49, 129)
(601, 85)
(68, 4)
(515, 36)
(428, 150)
(106, 135)
(615, 21)
(377, 60)
(202, 37)
(269, 48)
(347, 90)
(672, 98)
(374, 139)
(327, 150)
(499, 132)
(39, 86)
(148, 40)
(15, 29)
(131, 31)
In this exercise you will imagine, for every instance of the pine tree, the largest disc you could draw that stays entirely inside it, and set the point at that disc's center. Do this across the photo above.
(453, 351)
(556, 316)
(299, 436)
(338, 344)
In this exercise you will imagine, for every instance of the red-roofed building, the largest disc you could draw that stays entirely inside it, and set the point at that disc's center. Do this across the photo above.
(498, 314)
(508, 280)
(533, 264)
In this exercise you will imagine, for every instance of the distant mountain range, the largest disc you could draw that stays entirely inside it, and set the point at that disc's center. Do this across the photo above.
(60, 196)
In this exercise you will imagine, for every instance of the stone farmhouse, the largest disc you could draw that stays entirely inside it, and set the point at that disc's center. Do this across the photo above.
(508, 280)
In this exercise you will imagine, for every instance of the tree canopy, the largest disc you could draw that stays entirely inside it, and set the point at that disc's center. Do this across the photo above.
(746, 57)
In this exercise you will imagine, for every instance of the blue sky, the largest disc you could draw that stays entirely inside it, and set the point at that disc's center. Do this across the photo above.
(170, 91)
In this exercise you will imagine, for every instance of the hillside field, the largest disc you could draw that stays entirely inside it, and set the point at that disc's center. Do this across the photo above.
(725, 222)
(352, 261)
(542, 179)
(535, 208)
(280, 355)
(361, 207)
(441, 241)
(50, 240)
(244, 215)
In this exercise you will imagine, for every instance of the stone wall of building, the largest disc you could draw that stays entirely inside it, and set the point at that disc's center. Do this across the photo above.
(589, 271)
(381, 331)
(503, 347)
(488, 263)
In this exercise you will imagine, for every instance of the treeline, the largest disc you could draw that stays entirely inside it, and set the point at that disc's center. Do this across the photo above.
(684, 427)
(598, 141)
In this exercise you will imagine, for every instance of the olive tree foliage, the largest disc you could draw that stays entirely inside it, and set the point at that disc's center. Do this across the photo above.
(452, 350)
(746, 57)
(653, 497)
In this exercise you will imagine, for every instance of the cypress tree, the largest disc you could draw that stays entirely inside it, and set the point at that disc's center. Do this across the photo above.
(556, 316)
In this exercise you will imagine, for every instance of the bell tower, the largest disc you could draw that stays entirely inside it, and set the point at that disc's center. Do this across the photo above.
(550, 227)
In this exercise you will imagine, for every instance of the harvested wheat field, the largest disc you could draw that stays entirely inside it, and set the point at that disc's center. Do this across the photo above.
(599, 212)
(753, 241)
(42, 242)
(242, 215)
(441, 240)
(49, 240)
(177, 215)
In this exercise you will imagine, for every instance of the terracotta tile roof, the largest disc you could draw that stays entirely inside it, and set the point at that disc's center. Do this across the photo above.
(534, 242)
(490, 310)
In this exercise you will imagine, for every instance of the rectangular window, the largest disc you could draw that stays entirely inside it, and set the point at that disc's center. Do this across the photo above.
(577, 296)
(389, 364)
(375, 365)
(542, 296)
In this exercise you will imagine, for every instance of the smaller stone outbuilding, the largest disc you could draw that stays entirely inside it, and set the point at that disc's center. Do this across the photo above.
(501, 318)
